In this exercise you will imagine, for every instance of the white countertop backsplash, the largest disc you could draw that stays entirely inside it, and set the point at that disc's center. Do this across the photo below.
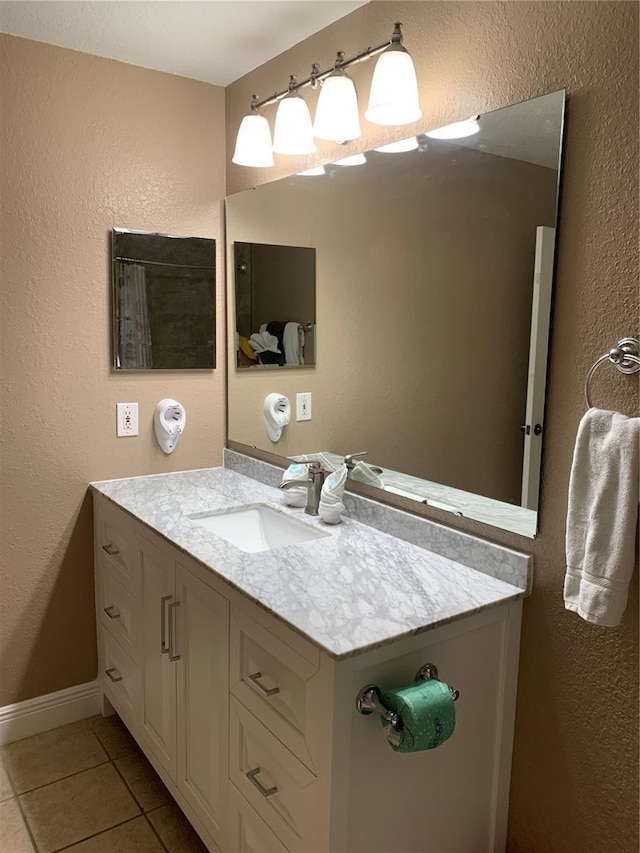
(348, 592)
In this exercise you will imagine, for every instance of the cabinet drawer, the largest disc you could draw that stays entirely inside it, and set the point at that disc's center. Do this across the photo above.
(120, 679)
(275, 783)
(248, 833)
(116, 545)
(271, 679)
(118, 611)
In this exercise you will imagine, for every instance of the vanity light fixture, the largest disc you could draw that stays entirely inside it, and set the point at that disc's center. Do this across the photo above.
(253, 143)
(393, 101)
(394, 98)
(293, 132)
(400, 146)
(337, 113)
(457, 130)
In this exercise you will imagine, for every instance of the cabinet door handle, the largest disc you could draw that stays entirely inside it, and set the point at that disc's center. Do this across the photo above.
(266, 691)
(108, 673)
(164, 647)
(172, 630)
(252, 777)
(112, 611)
(111, 550)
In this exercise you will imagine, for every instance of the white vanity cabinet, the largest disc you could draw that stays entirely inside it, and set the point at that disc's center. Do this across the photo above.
(163, 656)
(254, 729)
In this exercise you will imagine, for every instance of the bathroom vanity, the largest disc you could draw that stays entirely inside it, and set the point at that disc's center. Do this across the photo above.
(237, 672)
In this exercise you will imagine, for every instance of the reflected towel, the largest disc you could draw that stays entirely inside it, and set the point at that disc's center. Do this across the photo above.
(602, 516)
(293, 342)
(264, 342)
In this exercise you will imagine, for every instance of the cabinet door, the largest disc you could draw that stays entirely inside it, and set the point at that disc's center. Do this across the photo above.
(158, 705)
(203, 710)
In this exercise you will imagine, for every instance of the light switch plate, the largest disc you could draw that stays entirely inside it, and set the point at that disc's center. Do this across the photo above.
(127, 419)
(303, 406)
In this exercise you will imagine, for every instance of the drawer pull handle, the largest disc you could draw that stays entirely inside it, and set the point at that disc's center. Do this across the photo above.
(252, 777)
(111, 550)
(108, 672)
(172, 630)
(112, 611)
(164, 646)
(262, 689)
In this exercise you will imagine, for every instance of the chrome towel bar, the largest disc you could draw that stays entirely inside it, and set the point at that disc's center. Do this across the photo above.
(625, 357)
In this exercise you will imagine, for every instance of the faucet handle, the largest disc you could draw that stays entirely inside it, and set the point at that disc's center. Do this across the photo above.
(314, 467)
(348, 460)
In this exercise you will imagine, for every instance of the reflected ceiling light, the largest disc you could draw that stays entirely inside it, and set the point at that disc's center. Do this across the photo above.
(253, 143)
(394, 98)
(400, 146)
(353, 160)
(293, 133)
(337, 114)
(457, 130)
(316, 170)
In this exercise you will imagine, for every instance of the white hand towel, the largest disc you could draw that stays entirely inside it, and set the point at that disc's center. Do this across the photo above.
(602, 516)
(295, 496)
(293, 343)
(331, 507)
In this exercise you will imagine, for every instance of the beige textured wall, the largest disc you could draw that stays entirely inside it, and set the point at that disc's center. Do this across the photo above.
(86, 144)
(575, 770)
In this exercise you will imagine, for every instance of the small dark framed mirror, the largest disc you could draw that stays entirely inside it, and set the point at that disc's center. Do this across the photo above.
(164, 314)
(275, 297)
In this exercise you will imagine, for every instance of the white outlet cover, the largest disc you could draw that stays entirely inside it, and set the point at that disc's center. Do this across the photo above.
(127, 419)
(303, 406)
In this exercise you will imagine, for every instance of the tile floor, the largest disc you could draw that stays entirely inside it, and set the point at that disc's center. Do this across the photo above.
(87, 788)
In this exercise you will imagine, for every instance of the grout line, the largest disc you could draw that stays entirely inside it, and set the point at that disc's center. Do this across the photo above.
(96, 834)
(16, 797)
(62, 778)
(128, 786)
(154, 830)
(26, 823)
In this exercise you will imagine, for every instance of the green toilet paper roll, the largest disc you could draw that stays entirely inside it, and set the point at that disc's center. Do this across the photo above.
(427, 712)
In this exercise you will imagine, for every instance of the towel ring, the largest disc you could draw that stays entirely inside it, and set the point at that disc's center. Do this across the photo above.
(624, 357)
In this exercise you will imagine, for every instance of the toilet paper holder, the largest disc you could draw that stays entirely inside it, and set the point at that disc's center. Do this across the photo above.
(369, 701)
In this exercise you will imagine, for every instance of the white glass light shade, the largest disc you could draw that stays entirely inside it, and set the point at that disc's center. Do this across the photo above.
(353, 160)
(457, 130)
(337, 114)
(293, 132)
(253, 142)
(315, 170)
(393, 98)
(400, 146)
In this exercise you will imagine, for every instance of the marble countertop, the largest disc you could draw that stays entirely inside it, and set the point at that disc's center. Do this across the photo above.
(347, 593)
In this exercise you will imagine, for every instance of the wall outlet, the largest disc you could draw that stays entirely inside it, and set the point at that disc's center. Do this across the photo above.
(303, 406)
(127, 419)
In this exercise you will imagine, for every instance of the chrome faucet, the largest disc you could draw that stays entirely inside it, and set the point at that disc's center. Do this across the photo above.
(348, 460)
(313, 484)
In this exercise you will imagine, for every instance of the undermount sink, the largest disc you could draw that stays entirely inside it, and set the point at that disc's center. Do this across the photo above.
(258, 528)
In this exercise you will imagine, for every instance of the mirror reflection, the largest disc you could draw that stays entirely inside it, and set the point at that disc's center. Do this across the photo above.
(275, 299)
(434, 270)
(163, 301)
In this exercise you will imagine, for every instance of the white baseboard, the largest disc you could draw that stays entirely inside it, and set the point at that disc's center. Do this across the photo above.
(48, 712)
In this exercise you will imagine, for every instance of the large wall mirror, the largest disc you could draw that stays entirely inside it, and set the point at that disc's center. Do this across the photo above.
(163, 301)
(433, 289)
